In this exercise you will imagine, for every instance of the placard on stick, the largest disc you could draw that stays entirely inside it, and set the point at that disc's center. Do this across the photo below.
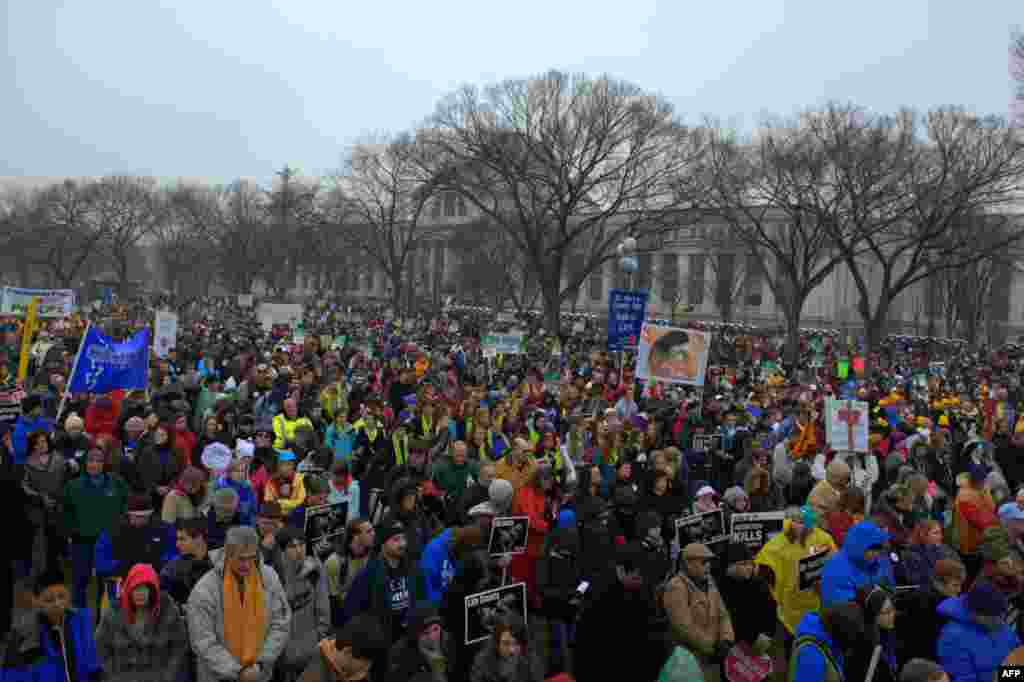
(323, 524)
(810, 569)
(756, 529)
(707, 528)
(509, 535)
(484, 610)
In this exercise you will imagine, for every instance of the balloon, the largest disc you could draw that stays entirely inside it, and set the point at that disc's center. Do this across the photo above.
(629, 243)
(629, 264)
(620, 249)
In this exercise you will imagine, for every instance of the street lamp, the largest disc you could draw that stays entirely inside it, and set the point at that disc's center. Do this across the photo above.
(628, 261)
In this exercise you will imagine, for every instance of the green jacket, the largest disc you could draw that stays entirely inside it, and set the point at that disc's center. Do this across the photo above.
(452, 478)
(89, 509)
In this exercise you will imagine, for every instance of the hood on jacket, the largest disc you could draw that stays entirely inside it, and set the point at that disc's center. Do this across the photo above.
(138, 575)
(860, 538)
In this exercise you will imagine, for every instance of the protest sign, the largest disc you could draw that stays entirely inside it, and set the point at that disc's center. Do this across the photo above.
(323, 524)
(672, 355)
(626, 312)
(485, 610)
(846, 424)
(810, 568)
(52, 302)
(165, 332)
(755, 529)
(508, 535)
(743, 665)
(706, 528)
(506, 344)
(707, 442)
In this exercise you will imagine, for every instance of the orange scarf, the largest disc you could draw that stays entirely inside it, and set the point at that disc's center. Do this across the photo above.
(245, 620)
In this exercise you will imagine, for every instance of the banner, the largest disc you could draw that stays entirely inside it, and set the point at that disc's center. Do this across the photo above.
(626, 312)
(105, 365)
(165, 332)
(506, 344)
(52, 302)
(485, 610)
(672, 355)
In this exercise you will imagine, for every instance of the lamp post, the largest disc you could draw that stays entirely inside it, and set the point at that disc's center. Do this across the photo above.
(629, 264)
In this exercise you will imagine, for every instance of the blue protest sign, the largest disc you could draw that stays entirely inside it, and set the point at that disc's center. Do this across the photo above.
(626, 312)
(104, 365)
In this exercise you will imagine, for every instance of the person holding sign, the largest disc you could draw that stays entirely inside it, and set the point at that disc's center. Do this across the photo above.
(781, 559)
(697, 615)
(860, 563)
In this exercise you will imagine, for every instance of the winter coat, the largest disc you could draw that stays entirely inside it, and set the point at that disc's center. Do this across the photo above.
(559, 573)
(967, 651)
(116, 552)
(752, 598)
(438, 567)
(45, 483)
(782, 557)
(158, 653)
(615, 629)
(247, 502)
(973, 512)
(846, 571)
(180, 575)
(90, 508)
(809, 663)
(369, 594)
(305, 587)
(699, 618)
(32, 652)
(919, 562)
(919, 623)
(532, 503)
(156, 467)
(205, 611)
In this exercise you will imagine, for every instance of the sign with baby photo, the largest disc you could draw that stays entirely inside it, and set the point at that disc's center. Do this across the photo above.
(508, 535)
(484, 610)
(323, 525)
(707, 528)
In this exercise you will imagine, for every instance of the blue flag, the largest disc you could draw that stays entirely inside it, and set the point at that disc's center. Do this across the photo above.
(105, 365)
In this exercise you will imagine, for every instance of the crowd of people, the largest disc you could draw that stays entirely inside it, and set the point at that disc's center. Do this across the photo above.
(165, 534)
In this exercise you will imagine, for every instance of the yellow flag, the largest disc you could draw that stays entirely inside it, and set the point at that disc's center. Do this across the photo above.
(27, 332)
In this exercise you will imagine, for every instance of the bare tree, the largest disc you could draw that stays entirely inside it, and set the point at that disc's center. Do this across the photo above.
(564, 165)
(186, 240)
(379, 202)
(490, 270)
(902, 198)
(243, 247)
(772, 194)
(53, 229)
(293, 212)
(127, 211)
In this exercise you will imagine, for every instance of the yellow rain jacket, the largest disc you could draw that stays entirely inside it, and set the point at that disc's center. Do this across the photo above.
(782, 557)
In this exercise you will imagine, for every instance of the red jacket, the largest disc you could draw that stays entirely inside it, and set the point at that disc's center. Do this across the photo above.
(530, 502)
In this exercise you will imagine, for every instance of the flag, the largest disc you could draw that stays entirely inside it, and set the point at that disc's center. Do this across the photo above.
(105, 365)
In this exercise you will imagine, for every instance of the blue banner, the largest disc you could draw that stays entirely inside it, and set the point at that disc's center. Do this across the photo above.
(626, 312)
(105, 365)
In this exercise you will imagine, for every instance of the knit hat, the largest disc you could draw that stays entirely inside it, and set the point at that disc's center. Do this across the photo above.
(390, 530)
(995, 543)
(73, 422)
(135, 424)
(986, 600)
(733, 495)
(920, 670)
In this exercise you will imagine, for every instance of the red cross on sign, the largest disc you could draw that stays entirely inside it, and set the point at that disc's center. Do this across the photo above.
(851, 418)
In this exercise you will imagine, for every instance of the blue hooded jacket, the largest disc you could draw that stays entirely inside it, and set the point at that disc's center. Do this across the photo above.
(810, 663)
(846, 571)
(968, 651)
(438, 567)
(37, 658)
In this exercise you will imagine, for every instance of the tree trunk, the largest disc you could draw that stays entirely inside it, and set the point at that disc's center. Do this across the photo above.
(792, 313)
(875, 326)
(552, 307)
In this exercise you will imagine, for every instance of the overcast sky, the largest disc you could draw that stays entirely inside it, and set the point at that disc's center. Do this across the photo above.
(218, 89)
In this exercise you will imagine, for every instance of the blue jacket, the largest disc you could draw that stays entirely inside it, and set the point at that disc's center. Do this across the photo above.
(246, 499)
(22, 428)
(966, 650)
(438, 567)
(151, 544)
(846, 571)
(810, 663)
(34, 657)
(340, 443)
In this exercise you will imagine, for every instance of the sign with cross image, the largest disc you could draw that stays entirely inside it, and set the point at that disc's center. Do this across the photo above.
(846, 423)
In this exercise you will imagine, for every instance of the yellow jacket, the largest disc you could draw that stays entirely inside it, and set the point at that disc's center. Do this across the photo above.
(284, 428)
(782, 557)
(293, 500)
